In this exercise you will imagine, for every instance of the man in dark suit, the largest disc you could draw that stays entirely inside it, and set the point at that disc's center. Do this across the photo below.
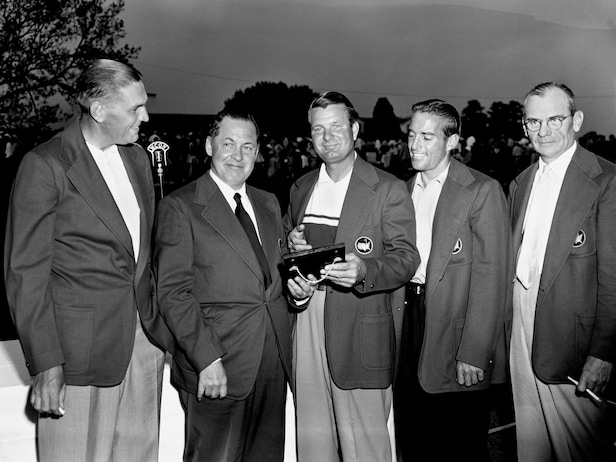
(78, 279)
(563, 210)
(453, 338)
(345, 340)
(221, 295)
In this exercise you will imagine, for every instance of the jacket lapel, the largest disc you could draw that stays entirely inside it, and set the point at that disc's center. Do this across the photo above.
(88, 181)
(358, 202)
(220, 217)
(304, 194)
(146, 216)
(521, 195)
(451, 211)
(267, 223)
(577, 194)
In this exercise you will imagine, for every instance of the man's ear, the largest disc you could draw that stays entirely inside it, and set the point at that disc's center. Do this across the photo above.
(452, 141)
(208, 146)
(355, 128)
(97, 111)
(578, 119)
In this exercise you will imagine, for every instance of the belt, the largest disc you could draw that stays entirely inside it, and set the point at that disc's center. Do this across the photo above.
(416, 289)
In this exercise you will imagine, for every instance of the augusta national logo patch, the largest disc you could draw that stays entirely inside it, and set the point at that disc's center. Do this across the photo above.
(364, 245)
(457, 247)
(580, 239)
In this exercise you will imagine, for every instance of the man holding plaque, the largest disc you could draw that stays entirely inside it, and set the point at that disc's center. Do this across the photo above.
(217, 251)
(345, 342)
(453, 342)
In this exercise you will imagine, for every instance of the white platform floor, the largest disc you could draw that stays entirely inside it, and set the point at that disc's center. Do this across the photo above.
(17, 428)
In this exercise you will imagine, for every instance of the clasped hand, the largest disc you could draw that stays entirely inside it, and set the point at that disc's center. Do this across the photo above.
(212, 381)
(347, 273)
(48, 391)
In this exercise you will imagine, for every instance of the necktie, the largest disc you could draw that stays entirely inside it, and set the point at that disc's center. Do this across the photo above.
(249, 227)
(532, 250)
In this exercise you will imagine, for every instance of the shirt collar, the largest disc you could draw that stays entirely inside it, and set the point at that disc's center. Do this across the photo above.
(227, 190)
(325, 178)
(561, 163)
(439, 179)
(97, 151)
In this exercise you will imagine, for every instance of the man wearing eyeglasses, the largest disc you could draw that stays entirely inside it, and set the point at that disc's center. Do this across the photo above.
(563, 210)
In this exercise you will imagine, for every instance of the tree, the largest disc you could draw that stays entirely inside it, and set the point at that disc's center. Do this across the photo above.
(279, 110)
(385, 125)
(474, 120)
(44, 44)
(505, 120)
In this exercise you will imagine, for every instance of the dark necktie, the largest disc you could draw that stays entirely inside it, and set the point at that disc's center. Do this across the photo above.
(249, 227)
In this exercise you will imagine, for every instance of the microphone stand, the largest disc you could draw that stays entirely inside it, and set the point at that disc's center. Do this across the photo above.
(158, 152)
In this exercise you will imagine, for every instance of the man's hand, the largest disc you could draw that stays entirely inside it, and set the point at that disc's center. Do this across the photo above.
(296, 241)
(346, 273)
(596, 375)
(299, 288)
(48, 391)
(467, 374)
(212, 381)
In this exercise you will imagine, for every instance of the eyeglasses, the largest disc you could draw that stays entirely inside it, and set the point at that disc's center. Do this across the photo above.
(553, 123)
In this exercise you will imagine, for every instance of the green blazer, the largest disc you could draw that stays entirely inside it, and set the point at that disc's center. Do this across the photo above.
(576, 306)
(361, 323)
(468, 277)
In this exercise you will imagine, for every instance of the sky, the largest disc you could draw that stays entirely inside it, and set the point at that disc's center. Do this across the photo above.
(196, 53)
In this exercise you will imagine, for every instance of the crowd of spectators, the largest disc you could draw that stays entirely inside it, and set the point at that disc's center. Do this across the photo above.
(281, 161)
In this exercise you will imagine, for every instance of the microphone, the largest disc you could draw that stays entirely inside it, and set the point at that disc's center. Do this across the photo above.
(158, 152)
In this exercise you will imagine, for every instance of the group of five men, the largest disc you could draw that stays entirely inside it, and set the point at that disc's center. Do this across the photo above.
(433, 297)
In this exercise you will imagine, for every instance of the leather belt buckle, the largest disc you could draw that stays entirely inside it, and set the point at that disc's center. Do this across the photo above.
(416, 289)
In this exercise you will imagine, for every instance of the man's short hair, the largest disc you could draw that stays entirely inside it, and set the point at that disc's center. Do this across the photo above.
(232, 114)
(542, 88)
(333, 97)
(102, 79)
(443, 110)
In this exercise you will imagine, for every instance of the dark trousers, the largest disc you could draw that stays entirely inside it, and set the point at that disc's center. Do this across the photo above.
(248, 430)
(434, 427)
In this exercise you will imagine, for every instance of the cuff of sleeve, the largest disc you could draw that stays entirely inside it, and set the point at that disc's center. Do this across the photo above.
(44, 361)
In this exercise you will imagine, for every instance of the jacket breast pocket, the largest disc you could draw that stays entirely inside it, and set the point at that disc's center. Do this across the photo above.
(368, 243)
(584, 242)
(75, 325)
(376, 341)
(462, 248)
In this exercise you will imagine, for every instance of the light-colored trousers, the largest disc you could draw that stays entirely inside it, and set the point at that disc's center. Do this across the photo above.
(104, 424)
(552, 423)
(357, 424)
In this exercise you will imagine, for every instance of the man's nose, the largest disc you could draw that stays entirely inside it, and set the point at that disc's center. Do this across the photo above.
(143, 115)
(543, 128)
(237, 153)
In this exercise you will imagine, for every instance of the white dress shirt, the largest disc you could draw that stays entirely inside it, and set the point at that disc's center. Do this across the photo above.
(228, 192)
(114, 173)
(425, 199)
(557, 170)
